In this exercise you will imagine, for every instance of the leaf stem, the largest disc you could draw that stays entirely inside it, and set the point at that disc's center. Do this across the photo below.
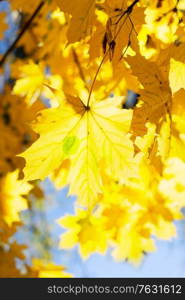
(128, 12)
(95, 77)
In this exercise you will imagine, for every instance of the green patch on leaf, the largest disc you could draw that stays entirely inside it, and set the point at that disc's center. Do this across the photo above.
(70, 145)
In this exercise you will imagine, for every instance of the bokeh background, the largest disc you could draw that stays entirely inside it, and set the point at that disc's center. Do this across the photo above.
(167, 261)
(41, 231)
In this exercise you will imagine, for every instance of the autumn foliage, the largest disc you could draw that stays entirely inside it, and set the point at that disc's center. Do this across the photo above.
(64, 114)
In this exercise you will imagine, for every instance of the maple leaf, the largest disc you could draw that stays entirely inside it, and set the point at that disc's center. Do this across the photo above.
(42, 269)
(131, 245)
(85, 230)
(156, 99)
(86, 135)
(31, 83)
(83, 16)
(12, 199)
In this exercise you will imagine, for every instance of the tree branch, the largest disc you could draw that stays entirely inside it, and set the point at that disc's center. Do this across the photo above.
(21, 33)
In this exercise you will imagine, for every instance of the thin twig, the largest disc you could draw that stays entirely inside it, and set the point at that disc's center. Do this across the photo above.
(127, 11)
(133, 25)
(23, 30)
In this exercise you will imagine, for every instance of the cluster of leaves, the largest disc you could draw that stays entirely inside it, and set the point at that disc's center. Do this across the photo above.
(15, 193)
(73, 64)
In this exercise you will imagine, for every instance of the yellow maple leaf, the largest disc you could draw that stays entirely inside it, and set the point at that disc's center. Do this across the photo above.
(12, 199)
(83, 229)
(156, 101)
(86, 135)
(34, 82)
(31, 82)
(41, 269)
(132, 243)
(83, 16)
